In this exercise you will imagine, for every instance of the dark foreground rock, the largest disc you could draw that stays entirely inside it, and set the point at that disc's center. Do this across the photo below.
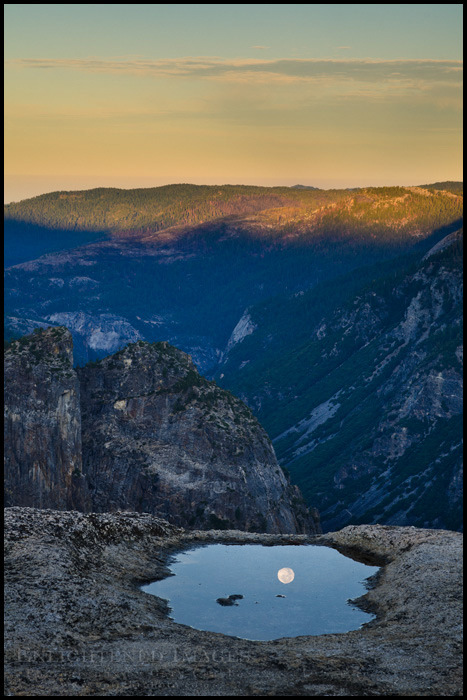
(78, 624)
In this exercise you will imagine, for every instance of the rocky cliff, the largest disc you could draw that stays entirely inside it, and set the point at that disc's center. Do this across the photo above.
(140, 430)
(159, 438)
(408, 456)
(364, 402)
(42, 439)
(77, 622)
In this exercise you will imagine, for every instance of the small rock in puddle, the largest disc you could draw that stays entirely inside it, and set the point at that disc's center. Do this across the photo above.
(230, 600)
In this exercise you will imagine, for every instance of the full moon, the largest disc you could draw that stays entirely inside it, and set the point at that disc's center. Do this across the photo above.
(285, 575)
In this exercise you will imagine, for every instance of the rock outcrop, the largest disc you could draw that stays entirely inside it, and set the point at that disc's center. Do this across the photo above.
(77, 622)
(159, 438)
(140, 431)
(42, 439)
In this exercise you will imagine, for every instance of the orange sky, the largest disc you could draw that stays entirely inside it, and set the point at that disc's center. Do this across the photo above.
(79, 116)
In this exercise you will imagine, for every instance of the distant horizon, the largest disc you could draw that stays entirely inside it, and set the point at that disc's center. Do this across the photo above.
(331, 96)
(221, 183)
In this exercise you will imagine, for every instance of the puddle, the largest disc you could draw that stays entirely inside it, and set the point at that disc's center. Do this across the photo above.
(263, 593)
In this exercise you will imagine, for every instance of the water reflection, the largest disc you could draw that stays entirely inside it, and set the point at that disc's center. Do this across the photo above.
(238, 590)
(286, 575)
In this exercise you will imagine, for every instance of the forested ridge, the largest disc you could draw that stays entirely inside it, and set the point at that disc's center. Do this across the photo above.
(151, 209)
(118, 211)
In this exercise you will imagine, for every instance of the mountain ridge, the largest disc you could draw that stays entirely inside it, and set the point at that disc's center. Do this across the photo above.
(383, 373)
(249, 257)
(140, 211)
(284, 306)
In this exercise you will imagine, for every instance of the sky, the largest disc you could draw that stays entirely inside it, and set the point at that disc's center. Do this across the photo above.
(146, 95)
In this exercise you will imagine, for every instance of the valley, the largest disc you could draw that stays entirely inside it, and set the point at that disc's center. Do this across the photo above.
(365, 410)
(325, 311)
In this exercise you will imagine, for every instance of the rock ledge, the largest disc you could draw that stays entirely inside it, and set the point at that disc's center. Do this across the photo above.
(78, 624)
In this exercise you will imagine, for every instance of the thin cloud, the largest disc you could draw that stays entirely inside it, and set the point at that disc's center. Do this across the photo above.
(421, 72)
(261, 48)
(343, 48)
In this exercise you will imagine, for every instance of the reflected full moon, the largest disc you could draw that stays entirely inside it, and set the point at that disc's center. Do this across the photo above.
(285, 575)
(320, 583)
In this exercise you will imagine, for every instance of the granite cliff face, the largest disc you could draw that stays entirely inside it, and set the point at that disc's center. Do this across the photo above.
(159, 438)
(143, 431)
(364, 404)
(43, 423)
(409, 456)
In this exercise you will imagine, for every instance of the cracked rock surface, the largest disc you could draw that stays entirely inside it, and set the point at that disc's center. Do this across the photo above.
(77, 622)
